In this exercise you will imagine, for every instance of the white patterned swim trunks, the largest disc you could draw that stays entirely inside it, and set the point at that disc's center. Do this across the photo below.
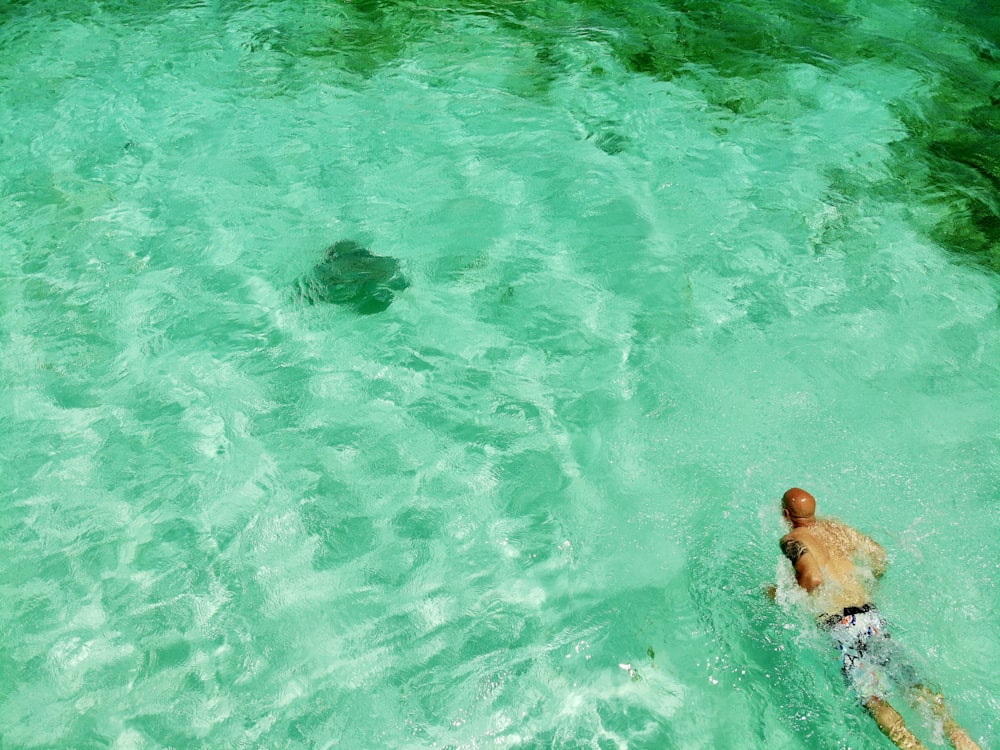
(870, 659)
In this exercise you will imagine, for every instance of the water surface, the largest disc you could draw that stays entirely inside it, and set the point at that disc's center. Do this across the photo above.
(664, 260)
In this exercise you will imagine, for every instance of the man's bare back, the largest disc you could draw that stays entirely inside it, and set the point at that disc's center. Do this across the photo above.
(838, 566)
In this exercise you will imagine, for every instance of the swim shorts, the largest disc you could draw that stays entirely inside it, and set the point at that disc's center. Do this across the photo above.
(870, 659)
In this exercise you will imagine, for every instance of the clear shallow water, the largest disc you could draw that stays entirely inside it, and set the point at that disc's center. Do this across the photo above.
(665, 262)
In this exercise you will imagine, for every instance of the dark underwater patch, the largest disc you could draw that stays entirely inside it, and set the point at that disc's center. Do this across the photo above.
(737, 53)
(351, 276)
(965, 181)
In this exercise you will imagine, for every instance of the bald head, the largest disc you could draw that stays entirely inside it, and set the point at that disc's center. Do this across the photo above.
(799, 505)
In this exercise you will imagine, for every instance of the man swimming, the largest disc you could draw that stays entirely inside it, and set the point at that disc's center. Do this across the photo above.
(838, 566)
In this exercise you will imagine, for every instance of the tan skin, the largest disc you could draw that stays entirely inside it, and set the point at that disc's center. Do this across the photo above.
(838, 567)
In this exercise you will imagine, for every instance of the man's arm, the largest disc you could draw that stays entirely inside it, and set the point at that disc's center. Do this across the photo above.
(807, 570)
(872, 552)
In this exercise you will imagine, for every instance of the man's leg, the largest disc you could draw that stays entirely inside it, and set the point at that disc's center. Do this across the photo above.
(956, 735)
(892, 725)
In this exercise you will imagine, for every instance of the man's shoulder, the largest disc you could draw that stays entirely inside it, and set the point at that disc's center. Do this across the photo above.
(836, 523)
(832, 523)
(794, 545)
(801, 534)
(835, 526)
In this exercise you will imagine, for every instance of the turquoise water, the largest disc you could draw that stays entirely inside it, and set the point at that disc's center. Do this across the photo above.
(664, 261)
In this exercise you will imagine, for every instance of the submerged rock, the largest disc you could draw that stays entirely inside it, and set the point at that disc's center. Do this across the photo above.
(350, 275)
